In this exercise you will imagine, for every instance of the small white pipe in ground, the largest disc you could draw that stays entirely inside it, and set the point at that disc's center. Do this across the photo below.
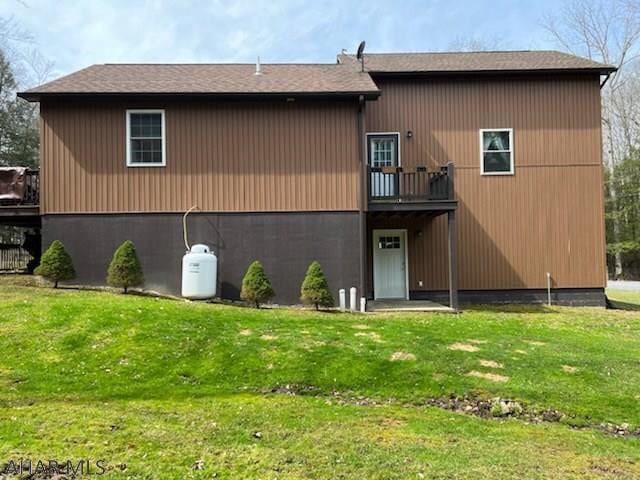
(352, 299)
(184, 227)
(549, 288)
(363, 305)
(343, 300)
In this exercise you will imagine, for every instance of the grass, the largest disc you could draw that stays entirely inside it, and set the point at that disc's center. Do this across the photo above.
(624, 299)
(160, 385)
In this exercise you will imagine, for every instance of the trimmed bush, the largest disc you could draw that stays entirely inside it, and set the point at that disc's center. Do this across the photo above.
(315, 289)
(125, 270)
(55, 264)
(256, 287)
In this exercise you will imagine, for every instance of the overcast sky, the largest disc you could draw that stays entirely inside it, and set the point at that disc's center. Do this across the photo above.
(75, 34)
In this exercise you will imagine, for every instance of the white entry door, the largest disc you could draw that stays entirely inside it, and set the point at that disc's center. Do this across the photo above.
(389, 263)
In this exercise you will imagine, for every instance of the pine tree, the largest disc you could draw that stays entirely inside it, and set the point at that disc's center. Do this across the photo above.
(256, 287)
(125, 270)
(315, 289)
(56, 264)
(19, 134)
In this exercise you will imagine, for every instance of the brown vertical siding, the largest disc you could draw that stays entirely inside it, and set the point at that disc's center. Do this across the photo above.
(548, 217)
(221, 157)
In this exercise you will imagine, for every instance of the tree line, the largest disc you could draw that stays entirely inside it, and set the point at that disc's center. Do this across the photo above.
(609, 32)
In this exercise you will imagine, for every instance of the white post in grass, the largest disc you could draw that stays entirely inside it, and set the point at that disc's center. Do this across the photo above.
(343, 300)
(363, 305)
(352, 299)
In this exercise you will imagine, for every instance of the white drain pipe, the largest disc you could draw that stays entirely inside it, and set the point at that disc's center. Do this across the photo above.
(343, 300)
(549, 288)
(352, 299)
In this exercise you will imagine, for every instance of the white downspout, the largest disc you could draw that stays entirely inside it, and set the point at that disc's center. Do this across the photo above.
(549, 288)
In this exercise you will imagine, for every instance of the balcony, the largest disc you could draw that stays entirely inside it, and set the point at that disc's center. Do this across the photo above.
(19, 196)
(415, 189)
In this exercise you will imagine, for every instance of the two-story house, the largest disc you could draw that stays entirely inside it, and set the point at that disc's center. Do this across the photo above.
(409, 175)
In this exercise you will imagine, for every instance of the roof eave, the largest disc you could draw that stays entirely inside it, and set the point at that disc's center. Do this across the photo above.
(542, 71)
(32, 96)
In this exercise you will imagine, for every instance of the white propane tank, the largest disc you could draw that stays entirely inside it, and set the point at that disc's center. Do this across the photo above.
(199, 272)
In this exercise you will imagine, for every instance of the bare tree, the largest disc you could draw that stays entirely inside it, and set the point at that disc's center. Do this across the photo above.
(18, 45)
(11, 31)
(35, 68)
(609, 32)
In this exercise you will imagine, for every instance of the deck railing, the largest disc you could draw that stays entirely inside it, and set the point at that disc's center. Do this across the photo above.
(398, 184)
(19, 187)
(32, 188)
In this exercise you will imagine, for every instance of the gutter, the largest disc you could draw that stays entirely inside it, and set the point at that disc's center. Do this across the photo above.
(34, 96)
(489, 73)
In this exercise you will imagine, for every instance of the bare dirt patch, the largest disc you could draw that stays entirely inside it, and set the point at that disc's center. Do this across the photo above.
(371, 335)
(311, 344)
(521, 352)
(246, 332)
(359, 326)
(569, 369)
(476, 342)
(535, 343)
(268, 338)
(392, 422)
(465, 347)
(493, 377)
(491, 364)
(402, 357)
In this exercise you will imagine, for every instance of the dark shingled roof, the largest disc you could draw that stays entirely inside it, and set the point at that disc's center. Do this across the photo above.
(475, 62)
(342, 78)
(205, 79)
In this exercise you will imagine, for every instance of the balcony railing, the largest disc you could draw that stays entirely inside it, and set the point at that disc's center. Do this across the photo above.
(32, 188)
(19, 187)
(418, 184)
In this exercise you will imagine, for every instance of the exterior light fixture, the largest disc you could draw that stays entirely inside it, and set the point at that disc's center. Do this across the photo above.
(409, 134)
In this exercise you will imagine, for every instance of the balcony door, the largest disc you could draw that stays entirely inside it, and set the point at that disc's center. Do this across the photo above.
(383, 150)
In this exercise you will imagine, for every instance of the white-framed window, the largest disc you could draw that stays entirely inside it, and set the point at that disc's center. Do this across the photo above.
(146, 138)
(496, 151)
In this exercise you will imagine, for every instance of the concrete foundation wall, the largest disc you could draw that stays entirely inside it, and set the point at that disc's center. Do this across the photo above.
(286, 243)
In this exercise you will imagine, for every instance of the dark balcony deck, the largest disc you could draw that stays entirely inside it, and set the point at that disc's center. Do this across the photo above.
(397, 189)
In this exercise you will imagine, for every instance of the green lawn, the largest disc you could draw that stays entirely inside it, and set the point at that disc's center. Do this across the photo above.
(160, 385)
(629, 300)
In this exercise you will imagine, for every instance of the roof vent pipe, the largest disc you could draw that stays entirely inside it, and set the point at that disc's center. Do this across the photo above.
(258, 69)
